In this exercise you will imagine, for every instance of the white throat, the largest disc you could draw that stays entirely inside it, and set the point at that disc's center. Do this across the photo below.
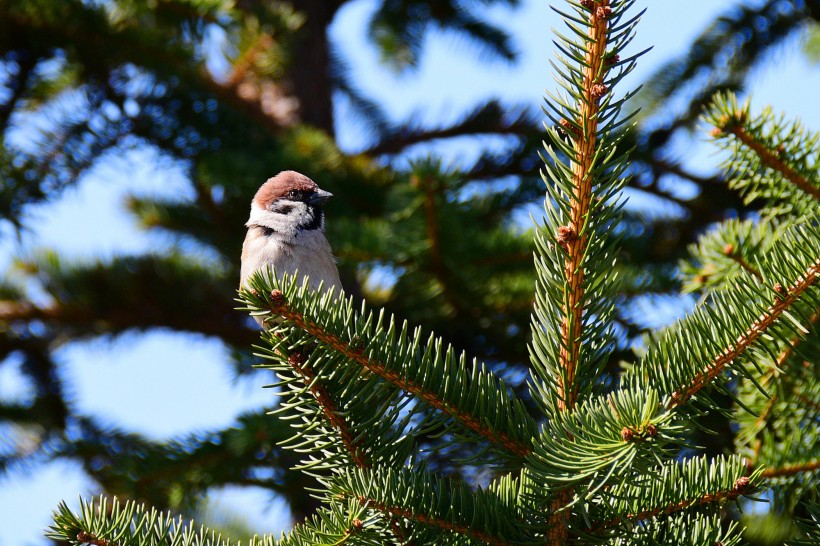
(285, 225)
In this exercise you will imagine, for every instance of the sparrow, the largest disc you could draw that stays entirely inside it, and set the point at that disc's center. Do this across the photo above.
(286, 231)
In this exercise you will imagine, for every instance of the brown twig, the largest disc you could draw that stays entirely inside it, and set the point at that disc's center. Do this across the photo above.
(246, 60)
(410, 136)
(791, 470)
(90, 538)
(281, 308)
(731, 252)
(114, 320)
(741, 485)
(780, 363)
(437, 265)
(771, 160)
(585, 142)
(793, 343)
(298, 362)
(759, 422)
(747, 338)
(433, 521)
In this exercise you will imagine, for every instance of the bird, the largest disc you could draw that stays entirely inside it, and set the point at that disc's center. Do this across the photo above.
(286, 232)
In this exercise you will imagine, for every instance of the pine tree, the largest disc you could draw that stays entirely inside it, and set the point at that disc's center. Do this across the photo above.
(123, 75)
(413, 443)
(89, 80)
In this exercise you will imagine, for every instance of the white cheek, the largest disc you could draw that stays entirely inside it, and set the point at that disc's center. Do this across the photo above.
(281, 223)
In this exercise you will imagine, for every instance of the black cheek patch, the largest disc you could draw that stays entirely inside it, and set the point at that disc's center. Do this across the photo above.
(281, 208)
(315, 222)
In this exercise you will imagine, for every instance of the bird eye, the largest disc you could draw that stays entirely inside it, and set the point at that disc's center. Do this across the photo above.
(293, 194)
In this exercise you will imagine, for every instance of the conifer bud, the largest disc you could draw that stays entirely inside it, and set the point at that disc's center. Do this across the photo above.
(599, 90)
(742, 483)
(564, 236)
(277, 298)
(296, 359)
(570, 128)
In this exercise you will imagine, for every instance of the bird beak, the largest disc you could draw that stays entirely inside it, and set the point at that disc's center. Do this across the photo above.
(319, 197)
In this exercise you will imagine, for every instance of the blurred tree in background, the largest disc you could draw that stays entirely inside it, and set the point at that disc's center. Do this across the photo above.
(233, 92)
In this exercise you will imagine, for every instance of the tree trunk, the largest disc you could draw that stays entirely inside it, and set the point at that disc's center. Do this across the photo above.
(310, 66)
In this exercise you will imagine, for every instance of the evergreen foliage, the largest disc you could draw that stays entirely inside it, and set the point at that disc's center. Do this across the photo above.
(85, 80)
(412, 443)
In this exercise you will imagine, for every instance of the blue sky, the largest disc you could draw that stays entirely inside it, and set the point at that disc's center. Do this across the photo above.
(197, 390)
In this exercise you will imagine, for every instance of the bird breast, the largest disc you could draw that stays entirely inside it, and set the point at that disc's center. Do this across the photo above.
(307, 252)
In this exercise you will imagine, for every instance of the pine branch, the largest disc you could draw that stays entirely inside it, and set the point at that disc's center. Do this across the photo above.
(787, 353)
(658, 497)
(809, 525)
(584, 173)
(329, 409)
(771, 160)
(738, 258)
(338, 421)
(601, 442)
(568, 349)
(165, 60)
(741, 487)
(466, 399)
(432, 521)
(791, 470)
(429, 190)
(758, 427)
(783, 302)
(575, 236)
(681, 529)
(721, 56)
(111, 523)
(280, 307)
(488, 119)
(736, 322)
(445, 506)
(143, 286)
